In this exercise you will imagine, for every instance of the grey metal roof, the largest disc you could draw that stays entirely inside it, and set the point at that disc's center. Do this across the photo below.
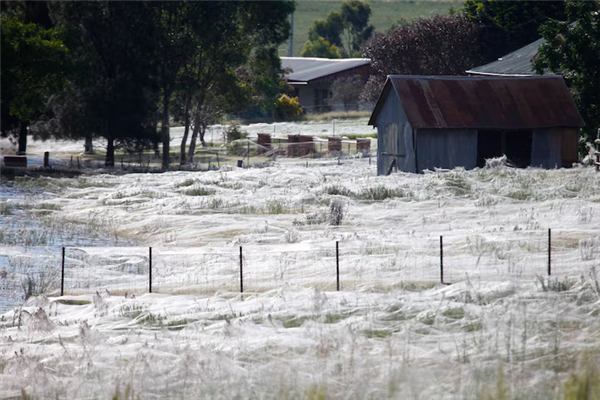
(517, 63)
(482, 102)
(306, 69)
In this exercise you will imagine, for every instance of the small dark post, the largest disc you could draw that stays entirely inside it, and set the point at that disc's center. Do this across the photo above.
(218, 163)
(549, 251)
(150, 270)
(441, 259)
(241, 271)
(62, 274)
(46, 159)
(337, 264)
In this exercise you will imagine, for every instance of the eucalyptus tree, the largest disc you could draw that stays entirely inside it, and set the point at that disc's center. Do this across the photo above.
(112, 88)
(572, 49)
(223, 36)
(33, 62)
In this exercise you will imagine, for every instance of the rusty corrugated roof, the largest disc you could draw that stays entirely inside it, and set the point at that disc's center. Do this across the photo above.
(483, 102)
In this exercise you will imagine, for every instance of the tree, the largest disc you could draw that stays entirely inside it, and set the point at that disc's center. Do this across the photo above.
(223, 36)
(510, 25)
(440, 45)
(329, 29)
(263, 76)
(320, 48)
(112, 87)
(347, 30)
(573, 49)
(347, 90)
(357, 30)
(33, 60)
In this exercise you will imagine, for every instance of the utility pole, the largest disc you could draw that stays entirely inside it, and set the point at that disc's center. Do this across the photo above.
(292, 37)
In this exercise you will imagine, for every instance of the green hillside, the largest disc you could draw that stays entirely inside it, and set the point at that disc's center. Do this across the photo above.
(384, 14)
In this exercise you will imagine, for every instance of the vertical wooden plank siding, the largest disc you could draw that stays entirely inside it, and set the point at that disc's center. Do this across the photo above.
(546, 149)
(446, 148)
(394, 137)
(570, 140)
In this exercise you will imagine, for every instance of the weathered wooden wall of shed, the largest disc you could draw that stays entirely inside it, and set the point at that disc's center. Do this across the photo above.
(570, 142)
(394, 137)
(546, 148)
(446, 148)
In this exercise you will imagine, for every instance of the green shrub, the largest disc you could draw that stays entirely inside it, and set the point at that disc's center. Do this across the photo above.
(235, 133)
(288, 108)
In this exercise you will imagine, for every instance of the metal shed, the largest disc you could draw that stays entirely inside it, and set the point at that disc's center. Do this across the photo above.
(427, 122)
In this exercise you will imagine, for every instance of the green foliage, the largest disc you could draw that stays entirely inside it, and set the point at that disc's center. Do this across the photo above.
(573, 50)
(232, 62)
(288, 108)
(234, 132)
(509, 25)
(200, 191)
(384, 15)
(33, 65)
(329, 29)
(583, 384)
(351, 23)
(357, 30)
(320, 48)
(263, 76)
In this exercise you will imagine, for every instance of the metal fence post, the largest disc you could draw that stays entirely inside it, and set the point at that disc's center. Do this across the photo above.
(149, 269)
(62, 274)
(441, 259)
(549, 251)
(337, 264)
(241, 271)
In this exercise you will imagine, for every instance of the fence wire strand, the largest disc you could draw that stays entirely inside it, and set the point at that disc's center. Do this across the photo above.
(363, 265)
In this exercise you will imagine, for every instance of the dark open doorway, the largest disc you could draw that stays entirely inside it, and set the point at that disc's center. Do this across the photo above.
(515, 144)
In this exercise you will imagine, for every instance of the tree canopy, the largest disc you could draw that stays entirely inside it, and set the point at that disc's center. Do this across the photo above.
(572, 49)
(510, 25)
(112, 69)
(320, 48)
(33, 62)
(346, 29)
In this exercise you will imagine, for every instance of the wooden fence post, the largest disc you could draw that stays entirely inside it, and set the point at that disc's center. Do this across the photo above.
(441, 259)
(337, 264)
(149, 269)
(62, 274)
(241, 271)
(549, 252)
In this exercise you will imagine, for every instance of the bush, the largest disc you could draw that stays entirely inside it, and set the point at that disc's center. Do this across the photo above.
(288, 108)
(235, 133)
(336, 212)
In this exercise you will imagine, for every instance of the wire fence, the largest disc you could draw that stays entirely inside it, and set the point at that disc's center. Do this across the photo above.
(347, 265)
(242, 153)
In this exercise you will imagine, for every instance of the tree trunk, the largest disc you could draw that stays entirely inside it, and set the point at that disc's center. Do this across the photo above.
(89, 145)
(155, 143)
(202, 132)
(164, 132)
(192, 148)
(110, 153)
(186, 130)
(22, 150)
